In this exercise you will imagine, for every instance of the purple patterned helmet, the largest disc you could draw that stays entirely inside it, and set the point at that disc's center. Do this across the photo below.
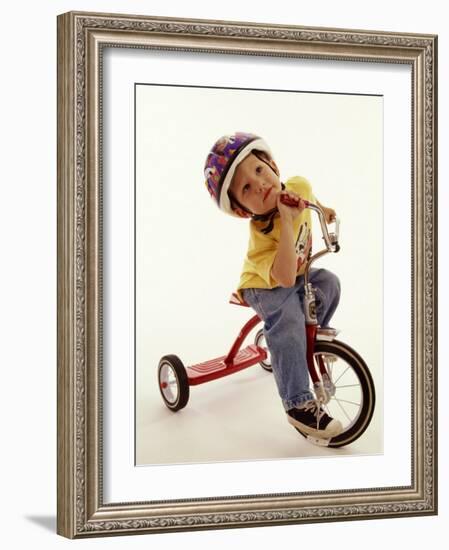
(223, 159)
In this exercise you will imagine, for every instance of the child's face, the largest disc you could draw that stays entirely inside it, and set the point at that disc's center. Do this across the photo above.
(256, 185)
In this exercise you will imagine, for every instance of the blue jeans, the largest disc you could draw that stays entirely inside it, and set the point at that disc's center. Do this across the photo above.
(281, 309)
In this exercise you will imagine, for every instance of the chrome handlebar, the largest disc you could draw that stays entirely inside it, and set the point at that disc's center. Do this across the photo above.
(331, 239)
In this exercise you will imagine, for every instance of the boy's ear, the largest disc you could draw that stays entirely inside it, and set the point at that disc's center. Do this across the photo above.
(242, 213)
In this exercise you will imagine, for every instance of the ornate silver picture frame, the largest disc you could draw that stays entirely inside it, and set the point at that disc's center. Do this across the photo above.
(83, 472)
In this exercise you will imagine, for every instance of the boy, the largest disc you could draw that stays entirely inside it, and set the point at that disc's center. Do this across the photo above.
(243, 179)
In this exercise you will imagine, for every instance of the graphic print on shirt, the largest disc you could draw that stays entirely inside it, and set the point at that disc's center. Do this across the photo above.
(303, 245)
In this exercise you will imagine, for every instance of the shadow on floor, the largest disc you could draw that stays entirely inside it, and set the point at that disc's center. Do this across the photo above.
(46, 522)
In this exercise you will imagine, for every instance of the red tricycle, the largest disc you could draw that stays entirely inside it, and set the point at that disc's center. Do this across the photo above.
(341, 380)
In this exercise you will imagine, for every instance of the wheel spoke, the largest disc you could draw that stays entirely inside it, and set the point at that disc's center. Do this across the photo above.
(347, 401)
(341, 375)
(343, 409)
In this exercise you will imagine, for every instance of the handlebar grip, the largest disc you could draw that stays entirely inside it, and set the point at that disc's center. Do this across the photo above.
(294, 203)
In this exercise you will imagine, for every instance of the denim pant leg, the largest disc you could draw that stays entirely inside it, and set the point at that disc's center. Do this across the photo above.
(281, 309)
(284, 328)
(327, 291)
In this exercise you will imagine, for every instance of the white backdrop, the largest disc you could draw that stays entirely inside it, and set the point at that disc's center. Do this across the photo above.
(28, 277)
(192, 254)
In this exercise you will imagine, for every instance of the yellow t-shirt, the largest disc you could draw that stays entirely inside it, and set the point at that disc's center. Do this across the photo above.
(263, 247)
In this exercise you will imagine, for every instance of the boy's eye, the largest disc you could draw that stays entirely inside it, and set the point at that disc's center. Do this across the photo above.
(259, 169)
(245, 188)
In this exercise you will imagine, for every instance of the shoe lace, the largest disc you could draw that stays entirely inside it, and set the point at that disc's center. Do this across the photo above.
(315, 407)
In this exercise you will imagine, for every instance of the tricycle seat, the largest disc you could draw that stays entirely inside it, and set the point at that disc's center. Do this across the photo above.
(237, 300)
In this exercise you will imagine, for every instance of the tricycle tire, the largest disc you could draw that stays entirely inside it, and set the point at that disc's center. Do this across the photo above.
(173, 382)
(259, 340)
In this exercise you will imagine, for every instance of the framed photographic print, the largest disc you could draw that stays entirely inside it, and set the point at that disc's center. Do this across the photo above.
(169, 416)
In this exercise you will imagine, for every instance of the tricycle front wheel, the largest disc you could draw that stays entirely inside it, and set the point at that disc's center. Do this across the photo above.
(351, 395)
(173, 382)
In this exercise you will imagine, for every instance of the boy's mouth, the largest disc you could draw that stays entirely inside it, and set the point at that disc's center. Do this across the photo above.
(267, 192)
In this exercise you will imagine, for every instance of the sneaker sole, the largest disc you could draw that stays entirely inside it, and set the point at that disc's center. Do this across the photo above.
(332, 429)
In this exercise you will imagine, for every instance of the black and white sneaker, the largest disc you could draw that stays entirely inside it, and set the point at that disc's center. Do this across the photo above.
(311, 419)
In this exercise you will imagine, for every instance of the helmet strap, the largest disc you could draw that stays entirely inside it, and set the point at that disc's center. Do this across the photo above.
(267, 217)
(235, 202)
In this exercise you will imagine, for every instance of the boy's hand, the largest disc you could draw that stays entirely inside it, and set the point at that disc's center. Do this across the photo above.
(289, 213)
(285, 263)
(329, 213)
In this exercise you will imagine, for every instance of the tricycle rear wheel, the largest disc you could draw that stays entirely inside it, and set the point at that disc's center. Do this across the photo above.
(173, 382)
(259, 340)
